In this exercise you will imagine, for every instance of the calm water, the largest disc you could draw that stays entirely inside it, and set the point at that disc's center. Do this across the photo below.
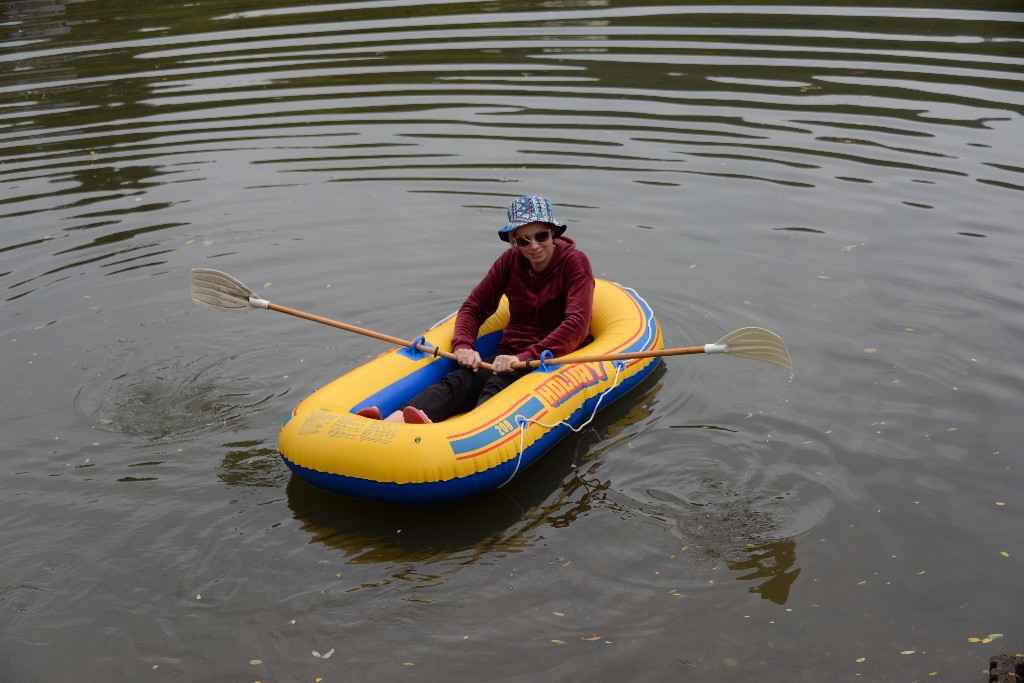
(849, 175)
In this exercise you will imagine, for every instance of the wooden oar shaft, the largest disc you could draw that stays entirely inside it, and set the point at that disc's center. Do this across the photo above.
(338, 324)
(613, 357)
(219, 291)
(397, 341)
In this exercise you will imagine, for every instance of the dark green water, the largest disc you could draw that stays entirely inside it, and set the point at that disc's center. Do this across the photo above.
(848, 175)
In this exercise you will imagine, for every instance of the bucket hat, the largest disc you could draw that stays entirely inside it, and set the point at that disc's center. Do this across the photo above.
(530, 209)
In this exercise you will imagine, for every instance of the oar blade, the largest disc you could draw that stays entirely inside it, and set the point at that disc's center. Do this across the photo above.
(760, 344)
(219, 291)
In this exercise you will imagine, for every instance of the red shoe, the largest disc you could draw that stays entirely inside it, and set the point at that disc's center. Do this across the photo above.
(372, 412)
(415, 416)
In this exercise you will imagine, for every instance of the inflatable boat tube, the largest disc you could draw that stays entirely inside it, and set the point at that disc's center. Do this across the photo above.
(326, 444)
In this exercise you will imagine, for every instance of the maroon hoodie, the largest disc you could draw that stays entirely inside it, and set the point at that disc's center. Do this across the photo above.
(549, 311)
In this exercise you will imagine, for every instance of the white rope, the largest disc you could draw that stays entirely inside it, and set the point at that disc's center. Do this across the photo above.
(524, 422)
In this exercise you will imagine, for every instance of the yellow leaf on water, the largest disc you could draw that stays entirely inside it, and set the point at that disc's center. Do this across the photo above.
(255, 662)
(974, 640)
(908, 652)
(871, 349)
(558, 642)
(591, 638)
(1004, 553)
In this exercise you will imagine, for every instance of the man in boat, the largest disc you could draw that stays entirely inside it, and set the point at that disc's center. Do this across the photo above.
(550, 290)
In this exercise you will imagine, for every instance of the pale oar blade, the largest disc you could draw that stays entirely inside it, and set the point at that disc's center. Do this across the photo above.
(219, 291)
(758, 343)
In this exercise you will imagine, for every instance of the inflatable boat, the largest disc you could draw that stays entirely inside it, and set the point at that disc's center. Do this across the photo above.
(326, 444)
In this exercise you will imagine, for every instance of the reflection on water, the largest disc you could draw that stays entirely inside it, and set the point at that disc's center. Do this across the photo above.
(378, 532)
(718, 525)
(774, 564)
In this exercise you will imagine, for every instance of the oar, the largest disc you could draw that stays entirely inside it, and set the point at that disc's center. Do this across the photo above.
(755, 343)
(221, 292)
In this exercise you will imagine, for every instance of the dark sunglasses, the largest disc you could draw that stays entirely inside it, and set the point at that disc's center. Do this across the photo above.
(523, 242)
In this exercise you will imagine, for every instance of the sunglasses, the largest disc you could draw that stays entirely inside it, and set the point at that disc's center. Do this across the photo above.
(523, 242)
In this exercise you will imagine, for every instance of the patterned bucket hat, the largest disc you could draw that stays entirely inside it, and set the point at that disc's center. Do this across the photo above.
(529, 210)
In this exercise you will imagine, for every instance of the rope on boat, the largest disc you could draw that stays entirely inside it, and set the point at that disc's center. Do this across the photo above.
(524, 422)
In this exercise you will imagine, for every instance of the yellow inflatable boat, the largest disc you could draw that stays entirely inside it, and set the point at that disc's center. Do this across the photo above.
(325, 443)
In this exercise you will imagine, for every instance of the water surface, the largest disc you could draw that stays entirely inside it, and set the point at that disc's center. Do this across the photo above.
(846, 174)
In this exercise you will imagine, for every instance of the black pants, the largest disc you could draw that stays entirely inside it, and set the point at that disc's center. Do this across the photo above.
(461, 390)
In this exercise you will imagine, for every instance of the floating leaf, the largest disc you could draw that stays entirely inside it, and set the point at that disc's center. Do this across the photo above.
(557, 642)
(908, 652)
(591, 638)
(1004, 553)
(255, 662)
